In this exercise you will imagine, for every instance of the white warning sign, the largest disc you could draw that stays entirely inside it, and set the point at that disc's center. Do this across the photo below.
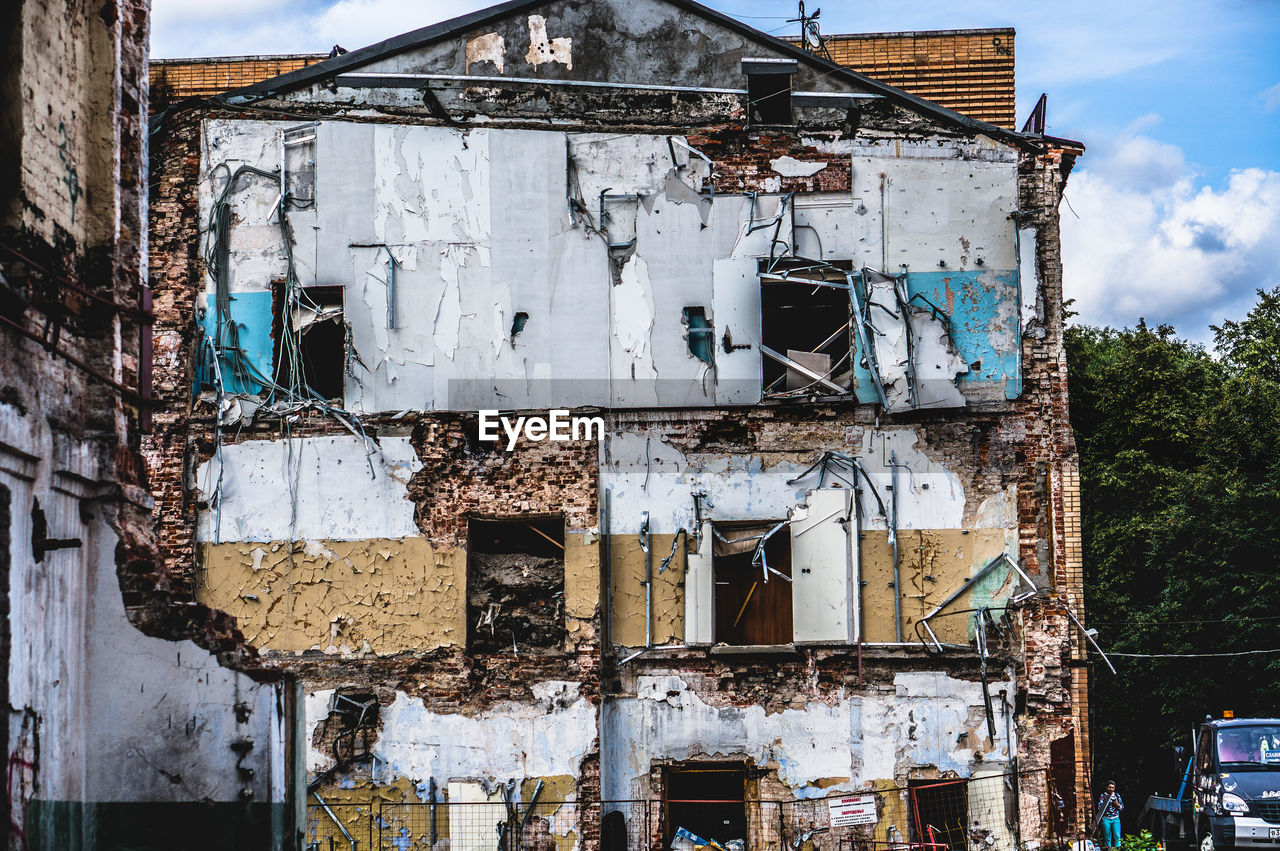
(851, 810)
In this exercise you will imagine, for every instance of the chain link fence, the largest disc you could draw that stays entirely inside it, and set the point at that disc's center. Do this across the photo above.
(973, 814)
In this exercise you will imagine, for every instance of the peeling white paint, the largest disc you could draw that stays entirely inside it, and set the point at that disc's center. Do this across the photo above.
(644, 472)
(546, 737)
(431, 195)
(633, 318)
(541, 50)
(921, 724)
(863, 739)
(668, 720)
(792, 167)
(489, 47)
(332, 497)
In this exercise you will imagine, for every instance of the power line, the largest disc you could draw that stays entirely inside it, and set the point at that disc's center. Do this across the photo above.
(1191, 655)
(1136, 623)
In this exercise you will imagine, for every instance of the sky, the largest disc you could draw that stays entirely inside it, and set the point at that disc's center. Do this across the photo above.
(1172, 215)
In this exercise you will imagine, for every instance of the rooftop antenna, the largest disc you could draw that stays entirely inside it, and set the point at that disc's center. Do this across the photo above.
(810, 35)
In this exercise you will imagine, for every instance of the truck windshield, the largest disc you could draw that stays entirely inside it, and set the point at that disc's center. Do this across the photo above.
(1256, 745)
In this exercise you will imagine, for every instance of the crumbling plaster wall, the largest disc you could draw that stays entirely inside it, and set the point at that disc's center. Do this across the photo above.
(684, 233)
(822, 740)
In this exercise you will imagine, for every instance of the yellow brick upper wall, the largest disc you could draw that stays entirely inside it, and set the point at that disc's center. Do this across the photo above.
(175, 79)
(969, 71)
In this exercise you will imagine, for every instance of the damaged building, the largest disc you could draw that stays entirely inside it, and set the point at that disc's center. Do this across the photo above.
(628, 427)
(135, 716)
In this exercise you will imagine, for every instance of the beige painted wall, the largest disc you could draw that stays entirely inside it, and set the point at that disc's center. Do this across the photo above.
(382, 595)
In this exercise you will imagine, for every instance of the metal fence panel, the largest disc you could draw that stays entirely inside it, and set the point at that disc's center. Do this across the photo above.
(971, 814)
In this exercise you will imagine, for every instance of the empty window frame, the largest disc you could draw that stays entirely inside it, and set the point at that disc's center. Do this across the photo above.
(310, 341)
(750, 609)
(806, 330)
(706, 799)
(769, 90)
(299, 144)
(515, 585)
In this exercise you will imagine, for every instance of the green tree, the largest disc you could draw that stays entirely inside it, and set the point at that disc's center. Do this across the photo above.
(1180, 480)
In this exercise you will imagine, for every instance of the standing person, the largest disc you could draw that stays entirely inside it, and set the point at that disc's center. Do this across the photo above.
(1109, 807)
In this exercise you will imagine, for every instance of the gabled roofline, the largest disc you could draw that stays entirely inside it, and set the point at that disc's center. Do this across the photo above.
(444, 29)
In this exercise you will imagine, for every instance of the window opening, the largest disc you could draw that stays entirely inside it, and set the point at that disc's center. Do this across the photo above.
(515, 585)
(299, 145)
(316, 355)
(751, 609)
(702, 342)
(939, 812)
(806, 328)
(706, 800)
(770, 97)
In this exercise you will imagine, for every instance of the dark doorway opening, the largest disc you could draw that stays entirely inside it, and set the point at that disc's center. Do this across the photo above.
(707, 800)
(940, 812)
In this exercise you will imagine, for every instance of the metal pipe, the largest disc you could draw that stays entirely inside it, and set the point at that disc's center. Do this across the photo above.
(893, 539)
(345, 833)
(431, 793)
(645, 545)
(388, 80)
(132, 395)
(391, 289)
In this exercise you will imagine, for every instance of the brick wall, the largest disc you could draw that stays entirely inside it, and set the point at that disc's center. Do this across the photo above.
(970, 71)
(173, 80)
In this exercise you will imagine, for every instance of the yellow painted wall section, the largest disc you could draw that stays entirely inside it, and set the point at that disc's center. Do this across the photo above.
(932, 563)
(385, 596)
(581, 585)
(626, 572)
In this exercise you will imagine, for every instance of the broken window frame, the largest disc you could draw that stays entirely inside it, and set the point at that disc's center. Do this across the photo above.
(862, 330)
(800, 272)
(290, 325)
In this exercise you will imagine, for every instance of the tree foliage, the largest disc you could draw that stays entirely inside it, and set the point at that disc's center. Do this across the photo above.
(1180, 480)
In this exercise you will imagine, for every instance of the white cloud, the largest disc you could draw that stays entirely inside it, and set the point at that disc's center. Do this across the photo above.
(1151, 242)
(1270, 98)
(184, 28)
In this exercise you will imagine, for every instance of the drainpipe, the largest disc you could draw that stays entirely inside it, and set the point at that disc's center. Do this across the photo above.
(645, 544)
(431, 793)
(857, 549)
(391, 289)
(893, 539)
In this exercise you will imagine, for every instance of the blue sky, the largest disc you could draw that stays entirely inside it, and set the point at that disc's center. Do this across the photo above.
(1174, 210)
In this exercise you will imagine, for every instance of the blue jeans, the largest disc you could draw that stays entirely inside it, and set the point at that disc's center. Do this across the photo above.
(1111, 833)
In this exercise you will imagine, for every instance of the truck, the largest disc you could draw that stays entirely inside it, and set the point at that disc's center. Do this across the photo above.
(1229, 795)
